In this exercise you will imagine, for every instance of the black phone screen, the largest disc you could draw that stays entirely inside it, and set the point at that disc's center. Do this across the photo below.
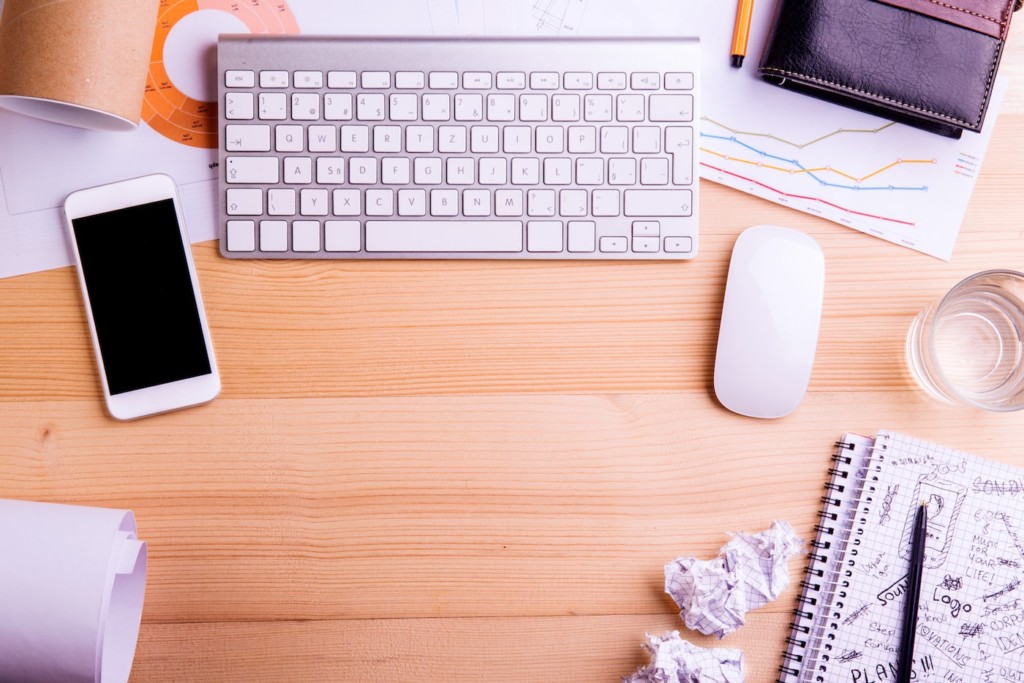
(140, 292)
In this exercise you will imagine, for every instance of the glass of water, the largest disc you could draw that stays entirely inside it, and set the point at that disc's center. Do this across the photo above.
(968, 347)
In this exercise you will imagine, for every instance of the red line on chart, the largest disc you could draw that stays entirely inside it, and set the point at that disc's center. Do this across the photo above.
(801, 196)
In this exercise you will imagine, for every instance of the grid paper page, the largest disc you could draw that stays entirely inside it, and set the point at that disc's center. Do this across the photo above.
(971, 620)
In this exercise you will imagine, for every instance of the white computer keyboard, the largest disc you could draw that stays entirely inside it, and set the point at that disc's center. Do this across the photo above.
(507, 148)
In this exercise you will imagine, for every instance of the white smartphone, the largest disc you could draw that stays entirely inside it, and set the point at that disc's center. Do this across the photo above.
(141, 295)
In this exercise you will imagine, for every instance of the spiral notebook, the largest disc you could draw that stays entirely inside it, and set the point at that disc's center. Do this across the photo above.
(971, 620)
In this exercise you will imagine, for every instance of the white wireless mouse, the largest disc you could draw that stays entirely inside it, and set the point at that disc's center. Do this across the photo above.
(770, 321)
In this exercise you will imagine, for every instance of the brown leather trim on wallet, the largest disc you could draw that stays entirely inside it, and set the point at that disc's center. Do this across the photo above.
(991, 17)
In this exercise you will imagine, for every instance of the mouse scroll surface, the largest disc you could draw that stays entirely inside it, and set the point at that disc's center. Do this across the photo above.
(770, 319)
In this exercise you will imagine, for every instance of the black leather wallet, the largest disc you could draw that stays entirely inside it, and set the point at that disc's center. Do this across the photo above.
(926, 63)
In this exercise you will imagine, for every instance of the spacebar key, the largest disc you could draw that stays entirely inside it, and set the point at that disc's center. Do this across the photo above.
(442, 236)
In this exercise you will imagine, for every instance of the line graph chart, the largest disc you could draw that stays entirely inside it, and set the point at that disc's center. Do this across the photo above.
(897, 183)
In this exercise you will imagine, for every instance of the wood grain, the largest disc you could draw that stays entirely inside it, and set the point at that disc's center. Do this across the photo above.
(464, 471)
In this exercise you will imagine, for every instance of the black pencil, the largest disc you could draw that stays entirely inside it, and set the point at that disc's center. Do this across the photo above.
(905, 663)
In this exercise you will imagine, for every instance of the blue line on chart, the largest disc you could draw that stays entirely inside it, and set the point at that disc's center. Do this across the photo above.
(799, 166)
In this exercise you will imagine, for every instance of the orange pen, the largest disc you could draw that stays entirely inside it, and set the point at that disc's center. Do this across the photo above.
(741, 32)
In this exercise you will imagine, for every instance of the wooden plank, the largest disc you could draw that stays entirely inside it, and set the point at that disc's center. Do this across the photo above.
(512, 650)
(449, 506)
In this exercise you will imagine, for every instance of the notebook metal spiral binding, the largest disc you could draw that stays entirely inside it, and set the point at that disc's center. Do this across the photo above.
(817, 583)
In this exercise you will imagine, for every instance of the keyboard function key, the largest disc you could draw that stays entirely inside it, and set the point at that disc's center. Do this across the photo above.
(611, 81)
(544, 80)
(273, 236)
(409, 80)
(645, 80)
(476, 80)
(341, 79)
(678, 80)
(252, 170)
(234, 78)
(444, 80)
(274, 79)
(309, 79)
(578, 80)
(376, 79)
(511, 80)
(658, 203)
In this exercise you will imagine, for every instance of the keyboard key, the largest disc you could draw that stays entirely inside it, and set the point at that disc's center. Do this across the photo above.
(613, 244)
(622, 171)
(544, 80)
(476, 203)
(370, 107)
(678, 245)
(419, 138)
(281, 202)
(239, 79)
(346, 203)
(646, 229)
(247, 138)
(444, 236)
(544, 236)
(362, 170)
(573, 203)
(387, 138)
(582, 139)
(646, 245)
(469, 107)
(675, 80)
(274, 79)
(493, 171)
(611, 81)
(244, 202)
(298, 170)
(238, 106)
(654, 171)
(671, 108)
(533, 107)
(444, 80)
(241, 235)
(483, 139)
(395, 170)
(342, 236)
(273, 235)
(313, 202)
(597, 108)
(309, 79)
(403, 107)
(508, 203)
(451, 139)
(412, 203)
(501, 107)
(476, 80)
(550, 139)
(341, 79)
(590, 171)
(338, 107)
(614, 140)
(355, 138)
(525, 171)
(581, 237)
(306, 236)
(557, 171)
(376, 79)
(629, 108)
(511, 80)
(679, 143)
(437, 107)
(380, 202)
(517, 139)
(658, 203)
(252, 170)
(427, 171)
(409, 80)
(578, 80)
(605, 203)
(444, 202)
(288, 138)
(645, 80)
(460, 171)
(323, 139)
(565, 108)
(273, 106)
(306, 106)
(646, 139)
(540, 203)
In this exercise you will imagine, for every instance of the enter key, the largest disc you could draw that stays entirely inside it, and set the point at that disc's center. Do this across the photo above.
(679, 143)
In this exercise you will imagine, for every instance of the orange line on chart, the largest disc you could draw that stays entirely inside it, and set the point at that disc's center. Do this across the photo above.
(819, 169)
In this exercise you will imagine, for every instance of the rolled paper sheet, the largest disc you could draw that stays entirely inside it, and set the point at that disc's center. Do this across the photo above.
(72, 581)
(78, 62)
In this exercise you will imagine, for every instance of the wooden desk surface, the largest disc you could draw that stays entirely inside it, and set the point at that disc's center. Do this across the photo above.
(475, 471)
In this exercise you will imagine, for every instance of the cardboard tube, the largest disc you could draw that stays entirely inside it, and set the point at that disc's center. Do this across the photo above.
(77, 62)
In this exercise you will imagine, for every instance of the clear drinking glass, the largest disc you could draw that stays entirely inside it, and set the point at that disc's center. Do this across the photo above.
(969, 346)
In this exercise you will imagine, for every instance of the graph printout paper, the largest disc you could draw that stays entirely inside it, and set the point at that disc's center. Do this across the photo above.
(971, 622)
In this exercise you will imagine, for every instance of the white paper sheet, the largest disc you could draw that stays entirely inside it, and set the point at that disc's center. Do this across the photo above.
(72, 581)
